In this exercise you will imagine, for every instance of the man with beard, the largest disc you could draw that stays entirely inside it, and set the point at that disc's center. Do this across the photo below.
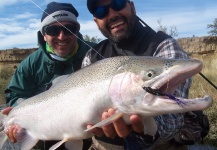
(128, 35)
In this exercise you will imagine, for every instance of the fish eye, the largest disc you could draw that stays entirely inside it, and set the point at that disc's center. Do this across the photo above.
(150, 74)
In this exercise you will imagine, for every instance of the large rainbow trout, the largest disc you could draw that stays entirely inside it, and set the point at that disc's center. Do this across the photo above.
(131, 85)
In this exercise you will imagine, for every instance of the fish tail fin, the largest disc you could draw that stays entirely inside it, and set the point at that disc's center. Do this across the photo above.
(3, 139)
(1, 122)
(25, 140)
(3, 136)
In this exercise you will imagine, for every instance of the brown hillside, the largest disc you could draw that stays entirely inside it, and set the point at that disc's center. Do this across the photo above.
(15, 55)
(199, 45)
(193, 45)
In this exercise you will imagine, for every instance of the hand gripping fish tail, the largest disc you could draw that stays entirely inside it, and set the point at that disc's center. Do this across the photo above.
(118, 83)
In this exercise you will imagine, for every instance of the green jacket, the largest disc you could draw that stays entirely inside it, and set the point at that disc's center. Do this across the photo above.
(35, 73)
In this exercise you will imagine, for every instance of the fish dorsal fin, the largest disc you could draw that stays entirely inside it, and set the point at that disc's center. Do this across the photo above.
(25, 140)
(58, 80)
(106, 121)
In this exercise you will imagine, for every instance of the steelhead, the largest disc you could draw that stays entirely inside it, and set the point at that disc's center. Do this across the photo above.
(63, 112)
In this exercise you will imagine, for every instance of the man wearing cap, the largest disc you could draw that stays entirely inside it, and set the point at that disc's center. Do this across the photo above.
(60, 53)
(127, 34)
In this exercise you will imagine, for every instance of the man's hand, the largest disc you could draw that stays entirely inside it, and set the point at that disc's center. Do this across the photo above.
(6, 110)
(119, 127)
(12, 130)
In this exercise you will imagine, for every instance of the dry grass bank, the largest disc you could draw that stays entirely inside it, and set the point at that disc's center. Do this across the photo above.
(200, 87)
(6, 72)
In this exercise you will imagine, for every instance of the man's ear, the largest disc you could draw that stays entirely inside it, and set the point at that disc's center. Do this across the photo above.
(95, 20)
(45, 39)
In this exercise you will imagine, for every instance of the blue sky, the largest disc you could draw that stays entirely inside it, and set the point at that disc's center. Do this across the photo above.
(20, 19)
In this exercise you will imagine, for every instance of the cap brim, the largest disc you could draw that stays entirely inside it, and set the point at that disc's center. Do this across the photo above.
(91, 5)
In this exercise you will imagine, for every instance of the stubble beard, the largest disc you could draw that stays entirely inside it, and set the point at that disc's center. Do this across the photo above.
(122, 35)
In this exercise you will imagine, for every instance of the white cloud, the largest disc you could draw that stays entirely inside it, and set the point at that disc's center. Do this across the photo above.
(34, 23)
(4, 3)
(6, 19)
(21, 31)
(17, 26)
(90, 28)
(27, 39)
(25, 15)
(13, 28)
(2, 35)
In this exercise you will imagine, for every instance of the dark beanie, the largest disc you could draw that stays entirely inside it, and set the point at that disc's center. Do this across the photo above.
(57, 12)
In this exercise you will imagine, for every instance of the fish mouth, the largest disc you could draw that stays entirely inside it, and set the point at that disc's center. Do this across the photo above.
(166, 92)
(165, 85)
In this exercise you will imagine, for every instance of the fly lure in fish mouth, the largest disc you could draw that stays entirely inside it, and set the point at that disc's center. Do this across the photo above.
(157, 92)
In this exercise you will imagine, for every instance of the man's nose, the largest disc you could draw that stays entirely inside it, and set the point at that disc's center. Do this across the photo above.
(112, 13)
(61, 34)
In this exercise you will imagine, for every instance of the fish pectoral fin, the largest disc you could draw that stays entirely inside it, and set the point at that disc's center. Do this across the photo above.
(25, 140)
(150, 126)
(106, 121)
(58, 80)
(55, 146)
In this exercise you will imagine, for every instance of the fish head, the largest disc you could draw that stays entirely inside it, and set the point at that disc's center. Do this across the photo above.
(147, 86)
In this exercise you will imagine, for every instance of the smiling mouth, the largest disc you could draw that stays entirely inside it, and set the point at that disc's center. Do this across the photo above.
(61, 43)
(117, 24)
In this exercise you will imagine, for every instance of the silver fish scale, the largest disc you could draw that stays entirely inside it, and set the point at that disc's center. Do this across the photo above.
(80, 79)
(98, 72)
(102, 70)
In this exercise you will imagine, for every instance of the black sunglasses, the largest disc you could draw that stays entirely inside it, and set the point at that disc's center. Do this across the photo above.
(54, 30)
(102, 11)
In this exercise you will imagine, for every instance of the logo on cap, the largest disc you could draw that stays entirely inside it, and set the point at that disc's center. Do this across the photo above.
(60, 15)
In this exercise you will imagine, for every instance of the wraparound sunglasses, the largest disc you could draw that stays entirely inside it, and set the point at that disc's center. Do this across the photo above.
(103, 10)
(54, 30)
